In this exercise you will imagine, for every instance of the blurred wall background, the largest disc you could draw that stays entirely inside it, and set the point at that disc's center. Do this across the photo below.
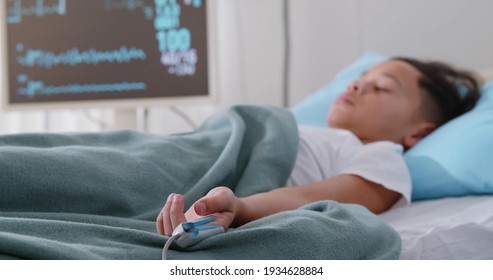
(324, 37)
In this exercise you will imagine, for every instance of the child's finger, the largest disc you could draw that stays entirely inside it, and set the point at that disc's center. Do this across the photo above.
(168, 227)
(159, 223)
(220, 201)
(177, 209)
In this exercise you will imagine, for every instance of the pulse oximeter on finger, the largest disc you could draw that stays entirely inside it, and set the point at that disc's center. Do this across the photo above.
(190, 233)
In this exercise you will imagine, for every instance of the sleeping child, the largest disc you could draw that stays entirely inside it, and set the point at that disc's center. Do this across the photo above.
(358, 159)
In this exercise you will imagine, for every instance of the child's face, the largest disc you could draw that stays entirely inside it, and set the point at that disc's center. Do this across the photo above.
(383, 104)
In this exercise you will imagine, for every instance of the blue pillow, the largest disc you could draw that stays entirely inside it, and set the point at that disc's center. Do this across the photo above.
(455, 160)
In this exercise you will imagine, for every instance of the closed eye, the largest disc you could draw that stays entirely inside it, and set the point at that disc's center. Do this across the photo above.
(381, 89)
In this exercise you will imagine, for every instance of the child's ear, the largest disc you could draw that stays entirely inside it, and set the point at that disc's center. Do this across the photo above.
(419, 132)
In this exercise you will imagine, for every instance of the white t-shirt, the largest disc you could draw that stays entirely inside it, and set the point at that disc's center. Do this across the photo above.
(324, 153)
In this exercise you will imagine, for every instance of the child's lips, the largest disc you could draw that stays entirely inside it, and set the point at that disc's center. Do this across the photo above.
(346, 99)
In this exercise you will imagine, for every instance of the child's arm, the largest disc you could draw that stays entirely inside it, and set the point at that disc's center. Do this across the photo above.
(343, 188)
(231, 210)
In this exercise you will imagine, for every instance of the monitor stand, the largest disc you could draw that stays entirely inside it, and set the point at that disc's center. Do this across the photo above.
(125, 118)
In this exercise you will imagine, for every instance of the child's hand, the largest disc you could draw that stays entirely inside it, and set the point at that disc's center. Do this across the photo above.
(220, 202)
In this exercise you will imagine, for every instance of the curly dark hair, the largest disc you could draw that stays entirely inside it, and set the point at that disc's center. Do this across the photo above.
(450, 91)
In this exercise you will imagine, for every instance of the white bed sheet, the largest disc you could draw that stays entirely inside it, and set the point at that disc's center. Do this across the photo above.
(445, 229)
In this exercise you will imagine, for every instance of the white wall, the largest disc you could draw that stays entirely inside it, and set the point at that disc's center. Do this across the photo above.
(457, 31)
(327, 35)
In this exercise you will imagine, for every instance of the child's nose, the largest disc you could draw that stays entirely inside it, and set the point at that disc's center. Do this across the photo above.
(357, 87)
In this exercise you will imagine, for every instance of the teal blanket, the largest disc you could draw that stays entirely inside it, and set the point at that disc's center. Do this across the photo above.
(97, 195)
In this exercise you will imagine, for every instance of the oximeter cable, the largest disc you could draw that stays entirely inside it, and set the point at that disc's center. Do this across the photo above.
(168, 244)
(188, 234)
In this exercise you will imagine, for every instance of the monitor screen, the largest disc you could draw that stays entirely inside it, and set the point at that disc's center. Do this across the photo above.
(73, 51)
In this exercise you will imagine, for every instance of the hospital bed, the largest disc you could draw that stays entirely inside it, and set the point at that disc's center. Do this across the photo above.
(444, 229)
(93, 196)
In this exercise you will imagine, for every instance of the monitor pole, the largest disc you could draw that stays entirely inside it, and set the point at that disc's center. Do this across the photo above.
(125, 118)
